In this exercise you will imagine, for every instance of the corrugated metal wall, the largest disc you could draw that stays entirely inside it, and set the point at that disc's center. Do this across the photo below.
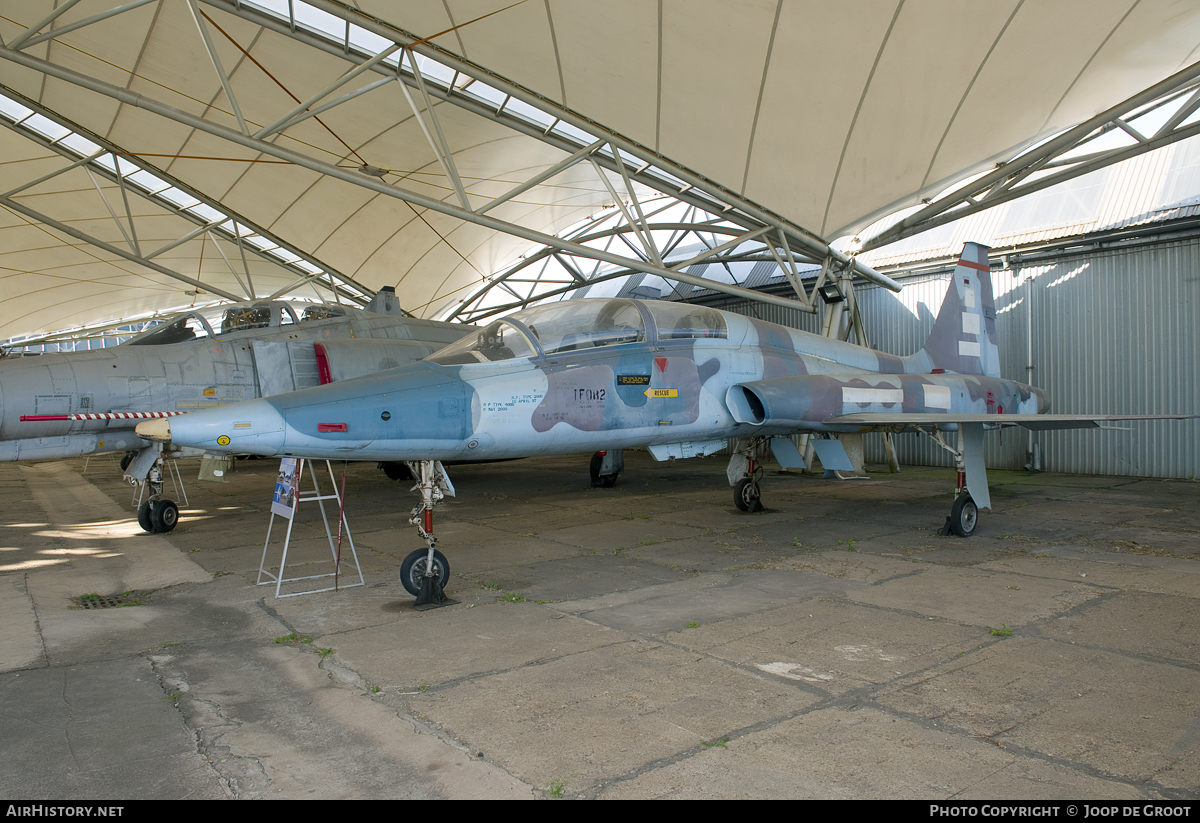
(1113, 332)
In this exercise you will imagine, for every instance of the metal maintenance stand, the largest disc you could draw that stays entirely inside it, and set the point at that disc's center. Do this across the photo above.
(265, 577)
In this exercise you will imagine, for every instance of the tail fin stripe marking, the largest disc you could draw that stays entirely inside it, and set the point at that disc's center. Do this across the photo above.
(971, 265)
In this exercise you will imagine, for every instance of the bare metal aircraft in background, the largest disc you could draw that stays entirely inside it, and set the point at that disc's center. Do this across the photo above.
(70, 404)
(678, 379)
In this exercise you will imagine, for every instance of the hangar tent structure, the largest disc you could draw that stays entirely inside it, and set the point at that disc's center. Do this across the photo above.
(479, 155)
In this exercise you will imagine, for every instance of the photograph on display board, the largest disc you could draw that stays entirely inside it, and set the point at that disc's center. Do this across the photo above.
(287, 488)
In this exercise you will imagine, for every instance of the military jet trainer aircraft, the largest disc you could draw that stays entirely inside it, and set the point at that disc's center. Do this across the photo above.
(59, 405)
(678, 379)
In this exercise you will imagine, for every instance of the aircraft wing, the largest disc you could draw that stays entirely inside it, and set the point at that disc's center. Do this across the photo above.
(1036, 422)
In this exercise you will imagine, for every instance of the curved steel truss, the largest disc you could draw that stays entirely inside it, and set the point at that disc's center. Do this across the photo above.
(1162, 114)
(377, 54)
(92, 156)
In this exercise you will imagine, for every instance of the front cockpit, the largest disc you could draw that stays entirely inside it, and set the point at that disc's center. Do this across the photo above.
(581, 325)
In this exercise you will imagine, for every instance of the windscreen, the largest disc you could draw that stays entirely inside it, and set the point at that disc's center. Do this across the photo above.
(499, 341)
(180, 330)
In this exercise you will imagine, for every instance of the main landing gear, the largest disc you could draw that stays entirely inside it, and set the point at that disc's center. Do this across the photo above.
(964, 514)
(425, 572)
(606, 466)
(157, 515)
(744, 472)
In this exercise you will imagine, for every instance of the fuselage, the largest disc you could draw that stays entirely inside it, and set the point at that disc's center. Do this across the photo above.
(593, 374)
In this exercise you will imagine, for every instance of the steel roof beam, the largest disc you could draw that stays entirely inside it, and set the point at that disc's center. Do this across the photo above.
(355, 178)
(1011, 180)
(32, 38)
(349, 288)
(656, 172)
(728, 199)
(111, 249)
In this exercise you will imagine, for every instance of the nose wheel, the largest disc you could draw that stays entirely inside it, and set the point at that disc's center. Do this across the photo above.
(416, 567)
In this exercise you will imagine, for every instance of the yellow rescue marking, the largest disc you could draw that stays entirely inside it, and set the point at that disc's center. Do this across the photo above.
(223, 440)
(210, 392)
(661, 392)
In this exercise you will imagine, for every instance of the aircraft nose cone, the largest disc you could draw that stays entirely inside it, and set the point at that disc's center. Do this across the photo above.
(253, 427)
(158, 429)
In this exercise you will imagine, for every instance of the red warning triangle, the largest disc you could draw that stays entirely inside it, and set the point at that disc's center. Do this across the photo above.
(661, 362)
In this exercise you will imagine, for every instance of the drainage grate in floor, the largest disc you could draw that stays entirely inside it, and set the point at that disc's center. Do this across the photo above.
(106, 601)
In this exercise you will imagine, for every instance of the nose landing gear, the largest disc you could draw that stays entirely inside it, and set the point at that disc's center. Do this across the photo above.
(425, 572)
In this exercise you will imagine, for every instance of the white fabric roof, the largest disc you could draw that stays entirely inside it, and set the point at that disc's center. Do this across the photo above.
(827, 114)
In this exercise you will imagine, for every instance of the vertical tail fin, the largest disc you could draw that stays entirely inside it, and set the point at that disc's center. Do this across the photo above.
(963, 338)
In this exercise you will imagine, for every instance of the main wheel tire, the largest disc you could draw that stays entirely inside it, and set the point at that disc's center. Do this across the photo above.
(746, 496)
(964, 516)
(164, 515)
(604, 481)
(413, 569)
(144, 518)
(126, 459)
(396, 471)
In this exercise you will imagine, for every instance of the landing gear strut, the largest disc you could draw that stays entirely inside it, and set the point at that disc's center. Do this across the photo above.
(744, 472)
(964, 514)
(157, 515)
(425, 572)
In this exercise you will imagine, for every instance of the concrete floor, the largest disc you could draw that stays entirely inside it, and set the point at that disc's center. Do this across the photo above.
(647, 640)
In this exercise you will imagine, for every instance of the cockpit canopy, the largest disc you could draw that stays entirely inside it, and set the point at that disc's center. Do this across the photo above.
(580, 325)
(199, 323)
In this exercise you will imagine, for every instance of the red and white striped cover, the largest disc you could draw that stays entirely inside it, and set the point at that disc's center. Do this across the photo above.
(38, 418)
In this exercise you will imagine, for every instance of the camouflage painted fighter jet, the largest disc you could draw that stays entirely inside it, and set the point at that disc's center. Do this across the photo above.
(680, 380)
